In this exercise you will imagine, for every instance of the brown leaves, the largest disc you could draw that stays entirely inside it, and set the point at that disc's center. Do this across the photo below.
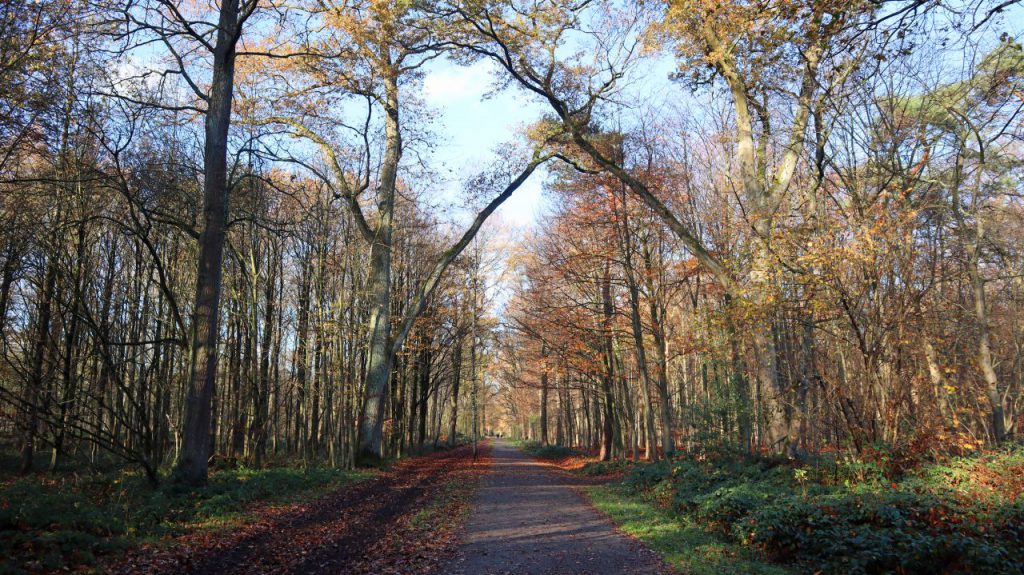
(398, 522)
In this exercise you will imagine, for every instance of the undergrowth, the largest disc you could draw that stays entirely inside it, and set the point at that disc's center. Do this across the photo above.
(68, 521)
(536, 449)
(680, 541)
(958, 515)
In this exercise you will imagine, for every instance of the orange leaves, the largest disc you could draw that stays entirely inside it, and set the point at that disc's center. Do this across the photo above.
(765, 42)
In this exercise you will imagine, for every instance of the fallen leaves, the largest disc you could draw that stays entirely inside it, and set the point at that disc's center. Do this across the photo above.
(405, 520)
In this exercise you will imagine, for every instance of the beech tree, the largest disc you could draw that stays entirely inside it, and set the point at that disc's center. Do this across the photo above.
(198, 39)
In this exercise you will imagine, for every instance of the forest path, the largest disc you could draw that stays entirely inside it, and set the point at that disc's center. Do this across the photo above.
(395, 522)
(527, 519)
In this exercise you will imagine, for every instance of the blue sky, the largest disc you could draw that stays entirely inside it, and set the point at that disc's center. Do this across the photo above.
(473, 128)
(474, 123)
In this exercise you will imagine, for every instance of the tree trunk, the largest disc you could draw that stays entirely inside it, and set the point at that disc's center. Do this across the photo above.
(71, 343)
(472, 354)
(381, 354)
(608, 378)
(11, 262)
(544, 398)
(456, 379)
(195, 451)
(261, 393)
(425, 361)
(301, 359)
(651, 447)
(36, 379)
(660, 356)
(985, 361)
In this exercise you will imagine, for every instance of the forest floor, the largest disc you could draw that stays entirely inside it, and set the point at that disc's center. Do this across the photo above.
(403, 520)
(529, 518)
(527, 509)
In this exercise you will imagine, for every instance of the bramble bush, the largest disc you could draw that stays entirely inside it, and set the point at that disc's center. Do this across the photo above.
(962, 515)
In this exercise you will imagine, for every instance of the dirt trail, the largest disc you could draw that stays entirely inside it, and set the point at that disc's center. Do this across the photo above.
(350, 531)
(528, 520)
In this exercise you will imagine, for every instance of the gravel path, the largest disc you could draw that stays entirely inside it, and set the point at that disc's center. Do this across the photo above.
(528, 520)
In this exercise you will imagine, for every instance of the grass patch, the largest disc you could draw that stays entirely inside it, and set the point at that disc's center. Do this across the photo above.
(680, 543)
(69, 521)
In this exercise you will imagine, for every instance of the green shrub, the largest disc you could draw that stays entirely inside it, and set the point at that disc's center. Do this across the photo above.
(729, 504)
(881, 533)
(58, 527)
(646, 476)
(964, 515)
(28, 505)
(596, 468)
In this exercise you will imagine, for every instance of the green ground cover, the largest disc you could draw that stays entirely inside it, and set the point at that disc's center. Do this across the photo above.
(729, 514)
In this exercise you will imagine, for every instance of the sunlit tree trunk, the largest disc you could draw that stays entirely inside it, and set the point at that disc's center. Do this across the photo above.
(380, 356)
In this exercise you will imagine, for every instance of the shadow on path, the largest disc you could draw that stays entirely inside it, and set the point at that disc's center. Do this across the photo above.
(339, 533)
(528, 520)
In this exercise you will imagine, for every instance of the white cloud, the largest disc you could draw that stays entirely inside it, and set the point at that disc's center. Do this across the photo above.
(452, 83)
